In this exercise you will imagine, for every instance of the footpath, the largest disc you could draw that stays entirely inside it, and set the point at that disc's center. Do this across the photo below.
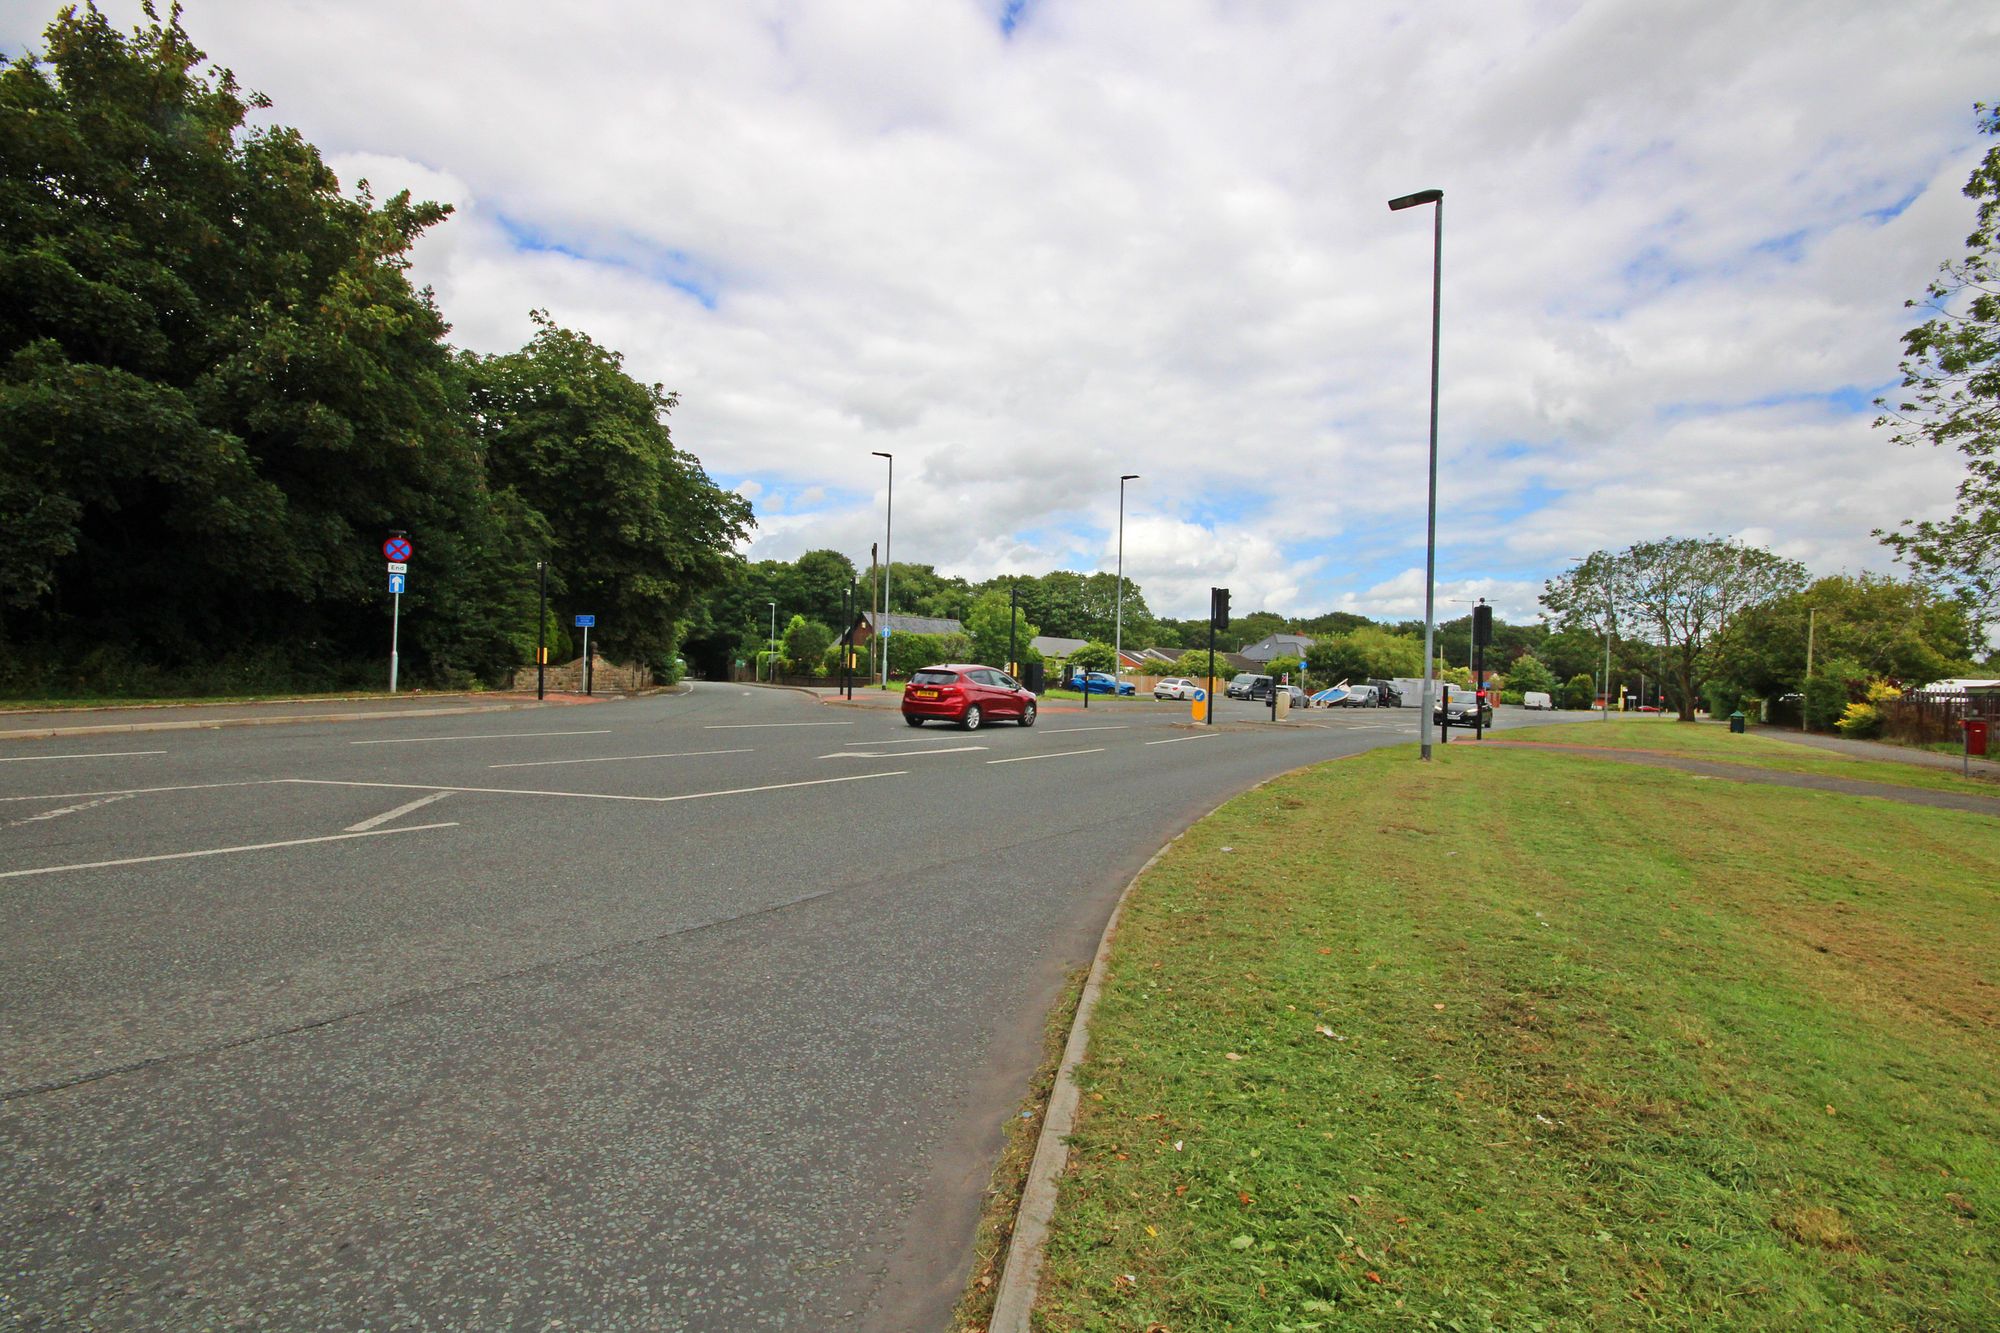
(125, 718)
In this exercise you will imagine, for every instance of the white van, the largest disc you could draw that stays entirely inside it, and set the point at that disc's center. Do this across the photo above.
(1536, 699)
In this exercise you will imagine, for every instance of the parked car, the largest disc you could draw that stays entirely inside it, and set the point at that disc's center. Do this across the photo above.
(1536, 699)
(1177, 687)
(1249, 686)
(1387, 694)
(1298, 696)
(1102, 682)
(1358, 696)
(967, 694)
(1460, 711)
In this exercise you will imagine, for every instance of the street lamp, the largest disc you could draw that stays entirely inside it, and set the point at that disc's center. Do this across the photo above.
(888, 560)
(774, 642)
(1397, 205)
(1118, 627)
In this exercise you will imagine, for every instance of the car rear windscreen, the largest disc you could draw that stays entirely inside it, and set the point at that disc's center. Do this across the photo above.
(934, 678)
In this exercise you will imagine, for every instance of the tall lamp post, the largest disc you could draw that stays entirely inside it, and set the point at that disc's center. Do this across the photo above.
(1397, 205)
(1118, 624)
(888, 560)
(774, 641)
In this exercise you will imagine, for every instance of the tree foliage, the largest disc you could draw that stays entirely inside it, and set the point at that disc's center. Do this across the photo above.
(1677, 594)
(219, 393)
(1951, 379)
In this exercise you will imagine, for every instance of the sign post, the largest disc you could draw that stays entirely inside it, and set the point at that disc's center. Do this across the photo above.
(397, 551)
(584, 623)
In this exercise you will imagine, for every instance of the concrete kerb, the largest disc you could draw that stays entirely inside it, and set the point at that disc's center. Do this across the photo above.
(1020, 1279)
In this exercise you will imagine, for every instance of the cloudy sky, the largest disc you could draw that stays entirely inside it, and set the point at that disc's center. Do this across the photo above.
(1029, 245)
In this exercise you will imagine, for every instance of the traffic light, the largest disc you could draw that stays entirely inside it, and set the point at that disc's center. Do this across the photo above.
(1482, 624)
(1218, 608)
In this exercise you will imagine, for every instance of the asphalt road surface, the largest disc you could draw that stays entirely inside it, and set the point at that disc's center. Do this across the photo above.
(699, 1011)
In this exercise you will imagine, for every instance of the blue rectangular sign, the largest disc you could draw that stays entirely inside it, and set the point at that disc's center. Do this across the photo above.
(586, 622)
(396, 584)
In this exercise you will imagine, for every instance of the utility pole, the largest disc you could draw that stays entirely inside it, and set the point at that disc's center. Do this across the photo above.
(542, 631)
(1805, 689)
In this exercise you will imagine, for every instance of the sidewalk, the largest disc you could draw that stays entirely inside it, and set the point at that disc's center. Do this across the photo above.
(1895, 754)
(115, 719)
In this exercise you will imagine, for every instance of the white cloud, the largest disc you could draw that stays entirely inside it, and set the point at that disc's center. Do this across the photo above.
(1152, 238)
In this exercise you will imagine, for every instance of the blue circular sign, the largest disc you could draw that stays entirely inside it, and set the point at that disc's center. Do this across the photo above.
(397, 548)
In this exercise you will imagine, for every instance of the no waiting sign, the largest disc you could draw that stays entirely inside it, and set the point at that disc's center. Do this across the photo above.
(397, 548)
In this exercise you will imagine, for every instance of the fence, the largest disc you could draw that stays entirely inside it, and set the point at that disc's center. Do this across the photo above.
(1922, 718)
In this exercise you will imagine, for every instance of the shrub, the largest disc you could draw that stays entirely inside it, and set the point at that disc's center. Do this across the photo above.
(1580, 692)
(1860, 721)
(1722, 697)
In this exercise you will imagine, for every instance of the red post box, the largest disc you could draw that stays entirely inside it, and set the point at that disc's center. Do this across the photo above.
(1975, 735)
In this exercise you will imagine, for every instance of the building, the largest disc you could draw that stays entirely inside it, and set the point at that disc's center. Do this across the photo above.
(1277, 645)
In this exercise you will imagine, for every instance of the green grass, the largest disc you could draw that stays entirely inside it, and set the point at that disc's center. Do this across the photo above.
(1507, 1045)
(1718, 745)
(156, 701)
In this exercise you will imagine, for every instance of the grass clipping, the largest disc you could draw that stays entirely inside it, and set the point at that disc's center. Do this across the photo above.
(1534, 1039)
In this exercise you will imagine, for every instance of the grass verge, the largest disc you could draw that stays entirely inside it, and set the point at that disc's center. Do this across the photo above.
(1717, 745)
(167, 701)
(1685, 1055)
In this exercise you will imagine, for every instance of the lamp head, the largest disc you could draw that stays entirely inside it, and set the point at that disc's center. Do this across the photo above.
(879, 454)
(1412, 200)
(1130, 476)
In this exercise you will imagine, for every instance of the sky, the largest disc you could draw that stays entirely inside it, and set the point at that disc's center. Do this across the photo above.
(1027, 246)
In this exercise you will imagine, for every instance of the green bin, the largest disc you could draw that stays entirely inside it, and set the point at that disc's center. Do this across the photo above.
(1736, 722)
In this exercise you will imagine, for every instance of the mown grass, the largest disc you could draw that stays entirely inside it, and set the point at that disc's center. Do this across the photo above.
(1718, 745)
(54, 705)
(1503, 1041)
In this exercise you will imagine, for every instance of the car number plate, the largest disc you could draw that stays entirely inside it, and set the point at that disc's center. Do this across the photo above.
(924, 694)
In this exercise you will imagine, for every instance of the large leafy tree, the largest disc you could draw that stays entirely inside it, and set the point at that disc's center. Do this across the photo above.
(637, 527)
(993, 625)
(1951, 383)
(1889, 628)
(218, 390)
(1677, 594)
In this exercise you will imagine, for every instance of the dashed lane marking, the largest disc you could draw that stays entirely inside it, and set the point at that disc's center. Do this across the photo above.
(616, 758)
(491, 736)
(102, 754)
(591, 795)
(1059, 754)
(217, 851)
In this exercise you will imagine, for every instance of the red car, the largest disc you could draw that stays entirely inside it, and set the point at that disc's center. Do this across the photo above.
(967, 694)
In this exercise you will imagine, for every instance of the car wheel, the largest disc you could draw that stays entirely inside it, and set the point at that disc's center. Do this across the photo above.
(1028, 714)
(913, 719)
(973, 717)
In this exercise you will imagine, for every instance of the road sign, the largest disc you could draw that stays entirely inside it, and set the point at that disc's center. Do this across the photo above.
(396, 584)
(397, 548)
(398, 567)
(585, 622)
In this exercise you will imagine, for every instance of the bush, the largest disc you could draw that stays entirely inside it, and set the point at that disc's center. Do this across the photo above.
(1722, 697)
(1829, 690)
(1580, 692)
(1511, 696)
(1860, 721)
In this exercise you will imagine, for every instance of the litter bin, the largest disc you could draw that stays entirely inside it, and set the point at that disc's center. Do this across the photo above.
(1736, 721)
(1975, 735)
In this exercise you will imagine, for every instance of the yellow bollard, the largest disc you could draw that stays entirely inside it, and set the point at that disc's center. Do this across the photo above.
(1201, 710)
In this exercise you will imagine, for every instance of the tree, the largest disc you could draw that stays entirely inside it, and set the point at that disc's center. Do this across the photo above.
(1893, 628)
(1951, 372)
(638, 528)
(989, 624)
(805, 643)
(1528, 672)
(1679, 594)
(1580, 692)
(1096, 656)
(1194, 665)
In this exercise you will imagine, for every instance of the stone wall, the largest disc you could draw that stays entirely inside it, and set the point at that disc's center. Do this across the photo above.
(606, 677)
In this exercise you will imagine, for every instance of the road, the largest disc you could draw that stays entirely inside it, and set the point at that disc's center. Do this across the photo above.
(694, 1011)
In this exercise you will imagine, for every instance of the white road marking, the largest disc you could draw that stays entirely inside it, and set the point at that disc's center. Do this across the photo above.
(863, 754)
(1064, 731)
(397, 813)
(137, 791)
(616, 758)
(914, 740)
(66, 810)
(1199, 736)
(105, 754)
(492, 736)
(589, 795)
(748, 726)
(1059, 754)
(218, 851)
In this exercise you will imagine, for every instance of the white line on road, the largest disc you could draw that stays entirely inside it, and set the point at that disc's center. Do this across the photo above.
(106, 754)
(911, 754)
(1064, 731)
(589, 795)
(1059, 754)
(397, 813)
(136, 791)
(914, 740)
(1203, 736)
(616, 758)
(492, 736)
(218, 851)
(748, 726)
(66, 810)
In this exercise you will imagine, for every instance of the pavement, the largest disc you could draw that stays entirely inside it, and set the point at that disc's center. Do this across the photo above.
(29, 724)
(1895, 754)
